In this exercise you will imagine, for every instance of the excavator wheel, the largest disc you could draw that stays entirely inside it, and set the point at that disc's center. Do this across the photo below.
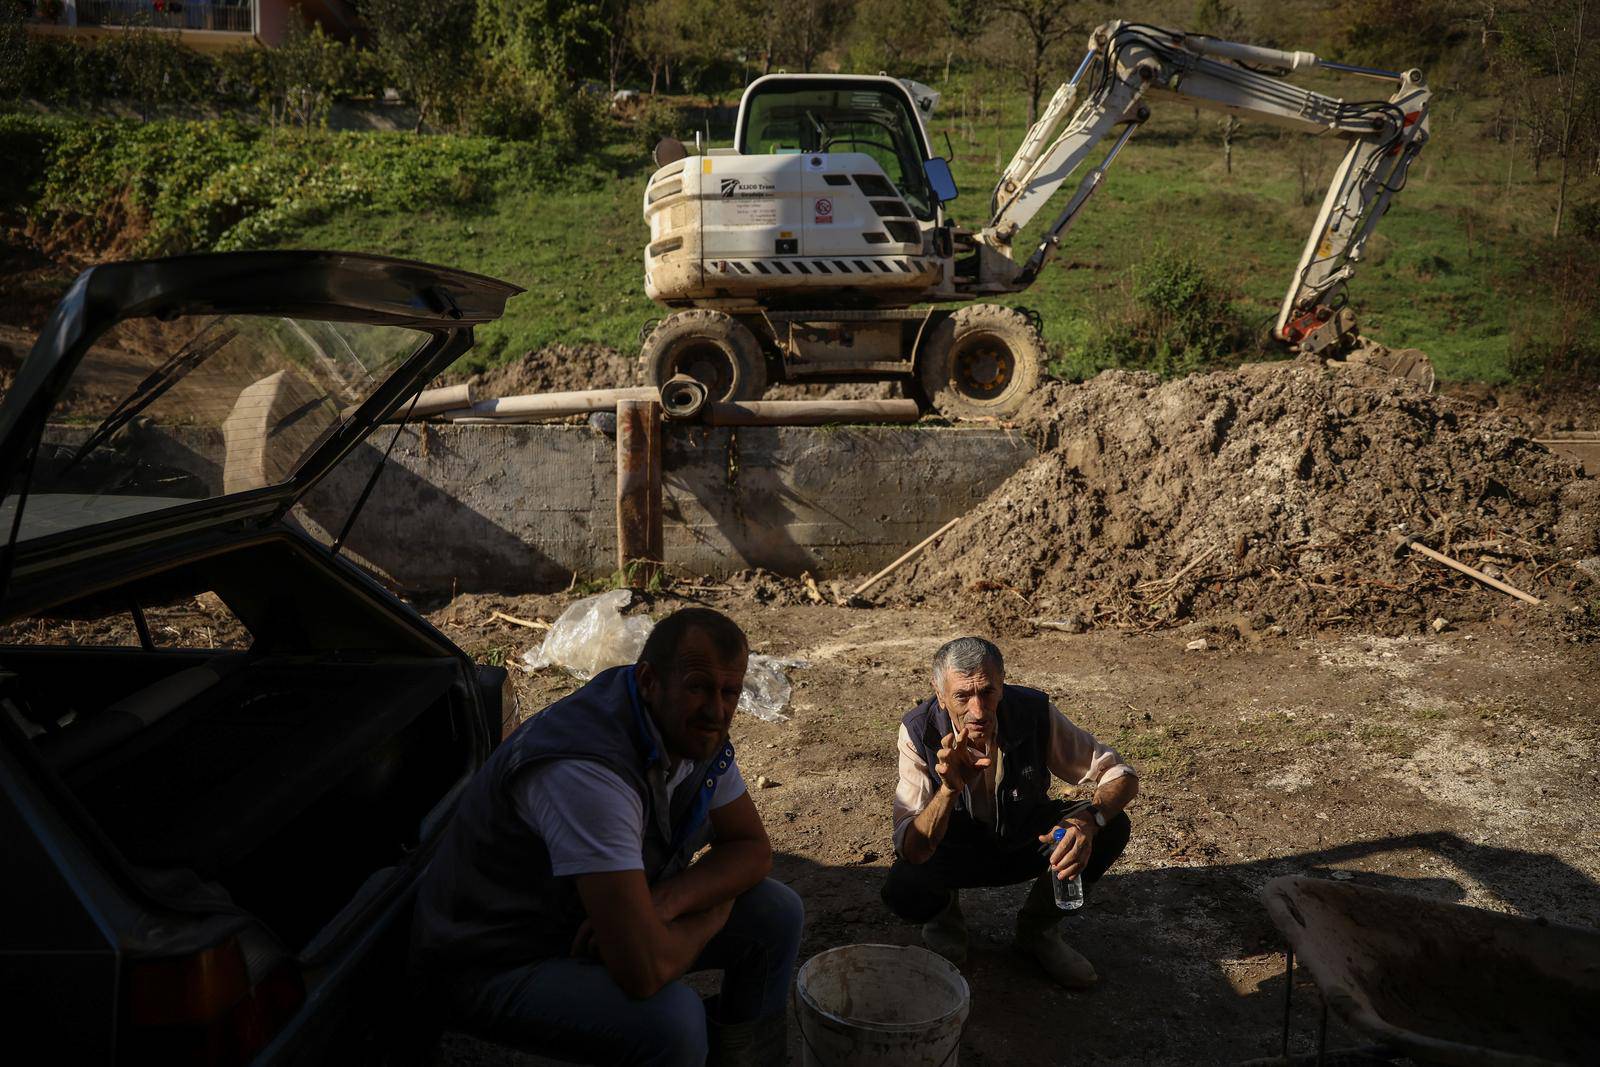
(983, 361)
(713, 348)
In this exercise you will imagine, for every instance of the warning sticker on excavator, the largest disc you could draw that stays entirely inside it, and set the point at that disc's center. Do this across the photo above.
(824, 208)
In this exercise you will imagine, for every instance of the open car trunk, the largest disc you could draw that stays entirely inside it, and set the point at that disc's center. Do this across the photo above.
(232, 827)
(291, 780)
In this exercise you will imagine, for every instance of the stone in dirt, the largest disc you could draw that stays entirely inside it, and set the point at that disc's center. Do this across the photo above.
(1272, 490)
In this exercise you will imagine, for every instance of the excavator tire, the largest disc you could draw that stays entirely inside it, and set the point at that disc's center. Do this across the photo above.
(712, 347)
(981, 362)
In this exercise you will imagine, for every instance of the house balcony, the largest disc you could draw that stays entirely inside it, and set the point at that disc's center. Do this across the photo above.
(218, 16)
(204, 25)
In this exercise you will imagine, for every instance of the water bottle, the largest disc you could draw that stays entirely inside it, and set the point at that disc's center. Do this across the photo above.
(1069, 891)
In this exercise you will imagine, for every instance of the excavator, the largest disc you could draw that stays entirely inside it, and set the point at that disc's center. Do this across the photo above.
(818, 247)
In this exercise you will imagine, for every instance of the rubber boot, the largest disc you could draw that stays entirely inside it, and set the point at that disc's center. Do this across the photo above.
(753, 1044)
(1039, 939)
(947, 933)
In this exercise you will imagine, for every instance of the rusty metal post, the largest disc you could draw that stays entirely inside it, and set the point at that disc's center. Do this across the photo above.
(639, 536)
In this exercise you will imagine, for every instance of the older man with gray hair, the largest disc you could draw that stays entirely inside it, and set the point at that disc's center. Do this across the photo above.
(973, 807)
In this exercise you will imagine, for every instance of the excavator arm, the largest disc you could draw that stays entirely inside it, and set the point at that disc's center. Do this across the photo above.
(1127, 61)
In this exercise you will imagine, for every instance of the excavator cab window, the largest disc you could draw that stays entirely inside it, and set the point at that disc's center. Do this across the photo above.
(842, 115)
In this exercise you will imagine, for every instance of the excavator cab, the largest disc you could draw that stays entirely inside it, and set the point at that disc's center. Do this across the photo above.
(827, 198)
(823, 114)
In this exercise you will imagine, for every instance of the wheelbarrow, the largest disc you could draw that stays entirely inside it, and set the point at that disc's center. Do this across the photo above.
(1440, 983)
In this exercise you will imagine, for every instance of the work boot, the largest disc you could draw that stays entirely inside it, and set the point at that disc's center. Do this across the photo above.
(753, 1044)
(1039, 939)
(947, 933)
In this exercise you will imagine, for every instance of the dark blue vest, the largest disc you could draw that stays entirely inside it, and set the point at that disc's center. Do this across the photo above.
(489, 900)
(1024, 785)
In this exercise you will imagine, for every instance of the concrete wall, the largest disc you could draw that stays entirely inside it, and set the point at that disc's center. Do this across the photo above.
(519, 508)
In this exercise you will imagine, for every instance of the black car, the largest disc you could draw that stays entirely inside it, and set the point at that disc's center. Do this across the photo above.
(210, 852)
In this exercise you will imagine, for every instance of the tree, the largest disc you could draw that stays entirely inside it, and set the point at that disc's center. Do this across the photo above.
(427, 48)
(13, 48)
(1551, 55)
(660, 32)
(1218, 18)
(893, 35)
(807, 28)
(964, 23)
(1038, 27)
(617, 14)
(306, 73)
(556, 37)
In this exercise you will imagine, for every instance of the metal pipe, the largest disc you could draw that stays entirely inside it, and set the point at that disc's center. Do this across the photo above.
(1088, 57)
(1086, 188)
(683, 397)
(1249, 53)
(1362, 72)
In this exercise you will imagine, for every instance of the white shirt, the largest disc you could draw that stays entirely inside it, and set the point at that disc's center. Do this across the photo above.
(590, 819)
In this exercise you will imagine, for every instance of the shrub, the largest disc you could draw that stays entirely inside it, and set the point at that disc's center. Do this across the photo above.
(224, 185)
(511, 101)
(1555, 331)
(297, 83)
(657, 117)
(1177, 319)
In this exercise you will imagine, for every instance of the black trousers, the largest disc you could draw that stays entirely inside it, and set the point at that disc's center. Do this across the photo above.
(916, 892)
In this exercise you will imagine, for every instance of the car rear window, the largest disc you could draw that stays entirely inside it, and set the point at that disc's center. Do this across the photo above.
(164, 413)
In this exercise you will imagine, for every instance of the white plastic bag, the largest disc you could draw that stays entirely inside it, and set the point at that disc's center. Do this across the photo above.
(591, 635)
(766, 687)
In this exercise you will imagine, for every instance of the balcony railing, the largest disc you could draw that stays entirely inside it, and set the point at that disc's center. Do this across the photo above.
(231, 16)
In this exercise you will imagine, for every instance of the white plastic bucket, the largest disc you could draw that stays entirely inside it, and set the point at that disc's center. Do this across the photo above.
(880, 1006)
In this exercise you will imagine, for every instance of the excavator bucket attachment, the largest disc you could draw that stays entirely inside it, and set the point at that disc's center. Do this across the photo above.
(1411, 364)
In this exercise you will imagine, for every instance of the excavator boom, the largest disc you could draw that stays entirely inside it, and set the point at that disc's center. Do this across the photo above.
(1128, 61)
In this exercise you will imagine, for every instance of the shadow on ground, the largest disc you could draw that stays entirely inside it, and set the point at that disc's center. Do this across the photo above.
(1191, 967)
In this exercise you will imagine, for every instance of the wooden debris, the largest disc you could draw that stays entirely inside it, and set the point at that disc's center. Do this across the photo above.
(1172, 583)
(532, 624)
(1407, 541)
(909, 555)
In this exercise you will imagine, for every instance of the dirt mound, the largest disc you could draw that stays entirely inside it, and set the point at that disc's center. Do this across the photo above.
(558, 368)
(1546, 408)
(1263, 497)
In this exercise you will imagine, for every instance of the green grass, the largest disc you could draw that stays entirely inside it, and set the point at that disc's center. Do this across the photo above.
(578, 252)
(1447, 271)
(1443, 272)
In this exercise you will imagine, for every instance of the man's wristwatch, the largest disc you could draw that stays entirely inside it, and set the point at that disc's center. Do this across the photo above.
(1098, 815)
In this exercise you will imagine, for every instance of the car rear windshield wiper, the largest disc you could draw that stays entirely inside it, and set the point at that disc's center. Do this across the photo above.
(155, 384)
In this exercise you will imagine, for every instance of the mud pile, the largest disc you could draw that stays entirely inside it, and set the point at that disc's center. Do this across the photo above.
(1265, 497)
(559, 368)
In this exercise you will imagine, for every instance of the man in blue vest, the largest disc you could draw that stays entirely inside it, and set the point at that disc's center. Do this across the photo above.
(562, 908)
(972, 807)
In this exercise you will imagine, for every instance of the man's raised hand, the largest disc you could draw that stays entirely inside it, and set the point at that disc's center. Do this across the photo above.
(959, 764)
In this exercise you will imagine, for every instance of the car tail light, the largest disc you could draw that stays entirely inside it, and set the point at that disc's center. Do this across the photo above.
(202, 1009)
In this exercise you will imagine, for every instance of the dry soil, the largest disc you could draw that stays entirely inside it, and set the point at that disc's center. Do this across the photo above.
(1461, 766)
